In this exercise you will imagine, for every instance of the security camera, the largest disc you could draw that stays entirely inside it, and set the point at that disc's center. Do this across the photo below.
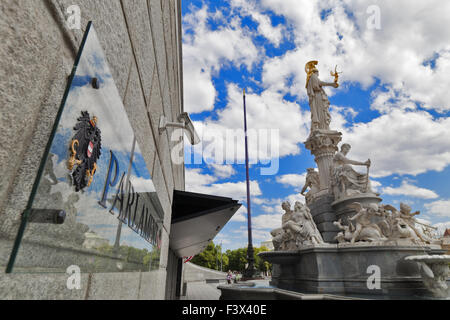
(185, 123)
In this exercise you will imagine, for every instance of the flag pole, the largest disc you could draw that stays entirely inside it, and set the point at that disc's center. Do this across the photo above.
(249, 272)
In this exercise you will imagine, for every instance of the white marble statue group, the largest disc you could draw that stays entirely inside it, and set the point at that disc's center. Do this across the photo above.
(370, 224)
(297, 228)
(344, 180)
(335, 168)
(380, 223)
(337, 177)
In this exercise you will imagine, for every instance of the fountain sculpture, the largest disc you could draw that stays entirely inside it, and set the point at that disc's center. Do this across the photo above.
(343, 240)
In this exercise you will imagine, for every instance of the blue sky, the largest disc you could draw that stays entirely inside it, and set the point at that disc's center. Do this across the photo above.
(392, 105)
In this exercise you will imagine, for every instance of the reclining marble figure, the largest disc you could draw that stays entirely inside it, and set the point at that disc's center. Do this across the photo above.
(401, 224)
(298, 228)
(391, 224)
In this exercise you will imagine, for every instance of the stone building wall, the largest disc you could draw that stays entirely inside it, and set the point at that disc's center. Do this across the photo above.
(142, 42)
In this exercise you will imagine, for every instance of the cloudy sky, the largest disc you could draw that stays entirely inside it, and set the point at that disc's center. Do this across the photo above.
(392, 106)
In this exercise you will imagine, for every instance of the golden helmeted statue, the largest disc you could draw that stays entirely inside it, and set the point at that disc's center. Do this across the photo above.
(318, 100)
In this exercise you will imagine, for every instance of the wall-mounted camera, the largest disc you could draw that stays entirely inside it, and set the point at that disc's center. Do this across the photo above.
(185, 123)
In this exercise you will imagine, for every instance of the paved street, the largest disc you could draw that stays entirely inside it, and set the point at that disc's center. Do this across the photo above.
(208, 291)
(202, 291)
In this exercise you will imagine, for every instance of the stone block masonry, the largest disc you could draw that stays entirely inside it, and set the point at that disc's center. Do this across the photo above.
(142, 43)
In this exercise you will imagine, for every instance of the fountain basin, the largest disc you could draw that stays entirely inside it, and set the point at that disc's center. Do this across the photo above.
(251, 291)
(435, 270)
(351, 269)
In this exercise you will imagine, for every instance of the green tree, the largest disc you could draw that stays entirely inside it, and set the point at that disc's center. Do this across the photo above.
(234, 260)
(237, 259)
(260, 264)
(210, 257)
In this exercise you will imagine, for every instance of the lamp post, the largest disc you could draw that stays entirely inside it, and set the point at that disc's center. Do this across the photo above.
(249, 272)
(221, 257)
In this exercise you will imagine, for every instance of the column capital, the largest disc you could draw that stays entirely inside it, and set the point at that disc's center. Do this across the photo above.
(323, 141)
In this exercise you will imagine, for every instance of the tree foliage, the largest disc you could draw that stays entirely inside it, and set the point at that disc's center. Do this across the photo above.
(211, 257)
(234, 260)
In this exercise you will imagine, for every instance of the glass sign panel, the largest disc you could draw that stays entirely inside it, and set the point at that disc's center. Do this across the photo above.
(95, 206)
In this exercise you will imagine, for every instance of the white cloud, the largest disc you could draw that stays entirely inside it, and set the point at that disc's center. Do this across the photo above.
(269, 209)
(441, 227)
(204, 183)
(416, 143)
(409, 55)
(292, 180)
(223, 171)
(222, 239)
(274, 205)
(394, 55)
(397, 53)
(257, 234)
(200, 93)
(407, 189)
(265, 27)
(240, 215)
(267, 221)
(276, 126)
(206, 51)
(439, 208)
(141, 184)
(375, 185)
(195, 178)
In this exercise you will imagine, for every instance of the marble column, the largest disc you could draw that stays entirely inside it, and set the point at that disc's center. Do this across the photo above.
(323, 145)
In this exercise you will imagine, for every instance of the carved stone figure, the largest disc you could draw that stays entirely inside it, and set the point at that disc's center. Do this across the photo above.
(277, 238)
(288, 239)
(312, 182)
(434, 269)
(401, 224)
(303, 226)
(428, 232)
(283, 238)
(365, 229)
(401, 230)
(346, 234)
(408, 217)
(298, 228)
(318, 100)
(345, 180)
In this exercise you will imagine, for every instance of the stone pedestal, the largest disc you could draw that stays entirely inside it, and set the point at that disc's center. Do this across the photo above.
(324, 215)
(323, 145)
(345, 269)
(342, 209)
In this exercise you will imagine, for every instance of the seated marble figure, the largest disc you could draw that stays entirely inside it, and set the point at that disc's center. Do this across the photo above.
(345, 180)
(312, 182)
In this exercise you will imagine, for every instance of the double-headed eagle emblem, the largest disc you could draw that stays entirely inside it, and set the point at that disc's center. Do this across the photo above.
(85, 149)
